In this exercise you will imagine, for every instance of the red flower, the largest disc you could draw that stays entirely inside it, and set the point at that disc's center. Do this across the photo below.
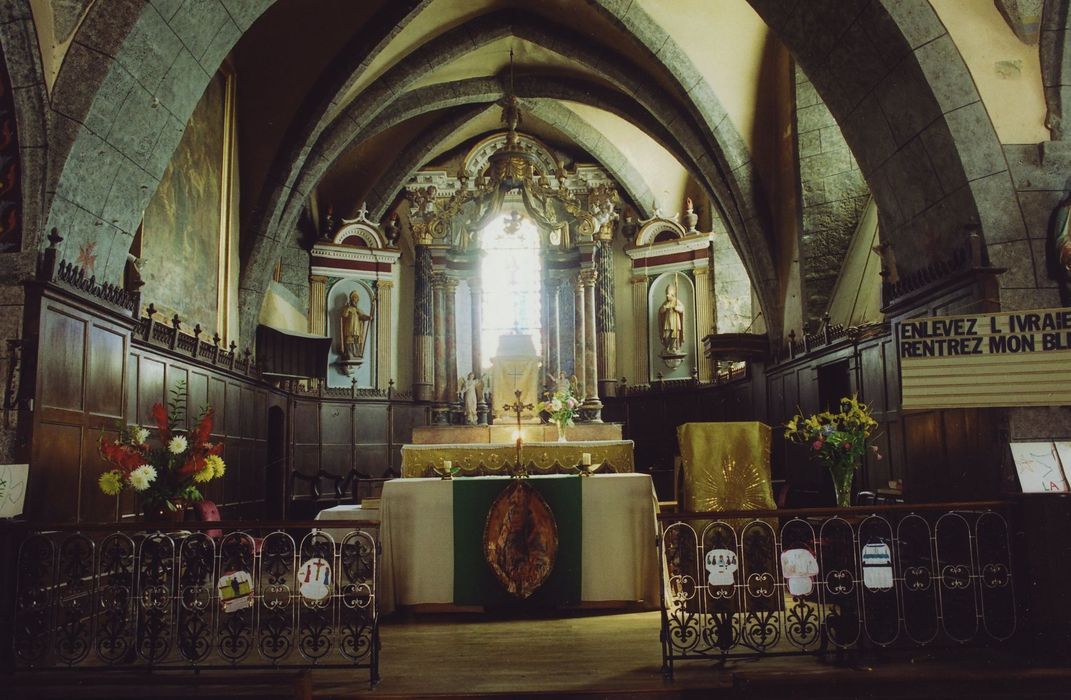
(122, 457)
(200, 434)
(159, 413)
(817, 445)
(193, 465)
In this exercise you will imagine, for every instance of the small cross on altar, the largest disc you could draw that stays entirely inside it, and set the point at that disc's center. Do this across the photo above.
(518, 408)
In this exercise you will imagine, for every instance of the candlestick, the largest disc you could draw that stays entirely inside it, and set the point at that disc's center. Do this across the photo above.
(585, 459)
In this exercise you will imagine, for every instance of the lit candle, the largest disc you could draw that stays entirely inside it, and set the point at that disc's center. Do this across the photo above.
(585, 459)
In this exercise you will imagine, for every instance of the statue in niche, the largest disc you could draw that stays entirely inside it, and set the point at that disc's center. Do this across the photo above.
(353, 327)
(671, 321)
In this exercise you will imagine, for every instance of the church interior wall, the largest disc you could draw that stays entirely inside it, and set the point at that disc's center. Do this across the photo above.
(1005, 77)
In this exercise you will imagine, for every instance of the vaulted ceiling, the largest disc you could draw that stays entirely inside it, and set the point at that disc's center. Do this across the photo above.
(341, 105)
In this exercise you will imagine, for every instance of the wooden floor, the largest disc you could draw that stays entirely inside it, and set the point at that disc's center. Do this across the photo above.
(585, 656)
(619, 655)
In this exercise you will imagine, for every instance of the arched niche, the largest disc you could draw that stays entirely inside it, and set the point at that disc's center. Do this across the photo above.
(337, 298)
(682, 282)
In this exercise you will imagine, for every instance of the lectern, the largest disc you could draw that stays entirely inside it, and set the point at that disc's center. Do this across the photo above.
(726, 466)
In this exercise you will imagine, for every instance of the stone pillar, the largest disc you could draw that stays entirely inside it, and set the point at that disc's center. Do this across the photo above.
(704, 322)
(476, 300)
(578, 335)
(592, 405)
(384, 331)
(605, 321)
(438, 285)
(641, 334)
(318, 304)
(423, 328)
(450, 295)
(554, 363)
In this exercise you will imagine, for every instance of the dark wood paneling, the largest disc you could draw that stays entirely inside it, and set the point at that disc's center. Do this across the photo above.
(106, 366)
(94, 506)
(217, 398)
(61, 361)
(55, 475)
(371, 423)
(306, 422)
(150, 388)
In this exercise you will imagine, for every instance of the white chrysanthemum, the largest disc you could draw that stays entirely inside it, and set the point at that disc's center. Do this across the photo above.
(555, 405)
(177, 445)
(141, 477)
(139, 435)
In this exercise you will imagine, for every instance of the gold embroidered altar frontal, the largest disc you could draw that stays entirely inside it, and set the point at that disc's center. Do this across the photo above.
(726, 466)
(540, 457)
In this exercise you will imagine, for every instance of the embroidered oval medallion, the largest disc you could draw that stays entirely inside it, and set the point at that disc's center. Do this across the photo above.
(520, 539)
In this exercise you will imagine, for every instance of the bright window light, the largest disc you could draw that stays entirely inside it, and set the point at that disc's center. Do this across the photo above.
(511, 273)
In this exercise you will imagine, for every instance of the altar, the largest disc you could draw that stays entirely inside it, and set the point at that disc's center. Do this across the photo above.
(430, 531)
(479, 459)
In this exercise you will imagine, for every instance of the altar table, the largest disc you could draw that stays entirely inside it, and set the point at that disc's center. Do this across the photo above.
(541, 457)
(346, 511)
(618, 557)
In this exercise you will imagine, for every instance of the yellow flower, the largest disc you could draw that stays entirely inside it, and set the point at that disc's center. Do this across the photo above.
(205, 474)
(214, 464)
(111, 483)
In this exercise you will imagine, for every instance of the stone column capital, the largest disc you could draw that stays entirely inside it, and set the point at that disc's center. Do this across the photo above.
(450, 284)
(317, 279)
(587, 277)
(438, 280)
(384, 284)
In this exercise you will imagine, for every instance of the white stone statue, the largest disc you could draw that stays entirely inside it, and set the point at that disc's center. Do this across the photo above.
(671, 321)
(469, 390)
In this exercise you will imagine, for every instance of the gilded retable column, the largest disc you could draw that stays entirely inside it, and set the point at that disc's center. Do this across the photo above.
(476, 302)
(592, 404)
(423, 328)
(318, 304)
(578, 336)
(450, 294)
(384, 330)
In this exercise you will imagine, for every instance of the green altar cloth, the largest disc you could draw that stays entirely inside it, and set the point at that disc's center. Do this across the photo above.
(474, 582)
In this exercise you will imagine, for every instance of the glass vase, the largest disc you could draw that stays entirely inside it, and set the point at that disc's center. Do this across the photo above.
(160, 513)
(561, 432)
(843, 474)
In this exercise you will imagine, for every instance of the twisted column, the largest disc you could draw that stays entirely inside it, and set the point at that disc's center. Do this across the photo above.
(438, 284)
(592, 404)
(423, 328)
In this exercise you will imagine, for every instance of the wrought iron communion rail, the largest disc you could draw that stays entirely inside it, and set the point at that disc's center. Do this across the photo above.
(808, 581)
(204, 596)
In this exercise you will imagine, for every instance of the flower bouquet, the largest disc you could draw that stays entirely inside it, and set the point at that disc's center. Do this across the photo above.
(165, 477)
(838, 440)
(561, 406)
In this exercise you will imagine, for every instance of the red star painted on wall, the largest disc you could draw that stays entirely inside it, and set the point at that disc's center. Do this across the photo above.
(87, 259)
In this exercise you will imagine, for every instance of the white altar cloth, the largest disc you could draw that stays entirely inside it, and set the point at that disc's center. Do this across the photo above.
(618, 552)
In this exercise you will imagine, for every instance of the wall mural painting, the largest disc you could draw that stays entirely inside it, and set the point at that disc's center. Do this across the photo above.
(10, 192)
(187, 227)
